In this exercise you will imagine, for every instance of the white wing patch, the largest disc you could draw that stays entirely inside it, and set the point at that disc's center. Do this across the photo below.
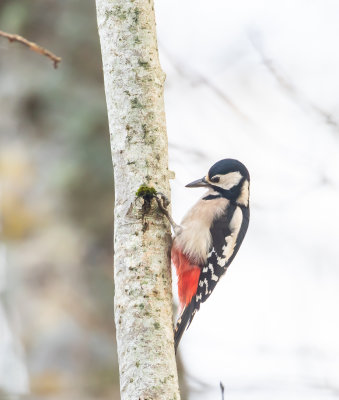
(231, 240)
(244, 194)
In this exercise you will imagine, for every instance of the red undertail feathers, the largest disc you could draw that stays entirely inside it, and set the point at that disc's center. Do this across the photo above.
(188, 276)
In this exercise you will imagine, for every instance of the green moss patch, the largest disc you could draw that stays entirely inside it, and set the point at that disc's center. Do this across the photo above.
(146, 192)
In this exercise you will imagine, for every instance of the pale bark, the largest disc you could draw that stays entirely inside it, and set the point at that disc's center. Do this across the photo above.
(143, 299)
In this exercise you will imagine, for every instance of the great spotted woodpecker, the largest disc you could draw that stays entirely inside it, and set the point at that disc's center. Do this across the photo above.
(209, 236)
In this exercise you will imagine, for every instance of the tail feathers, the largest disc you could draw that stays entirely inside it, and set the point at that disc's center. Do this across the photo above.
(184, 322)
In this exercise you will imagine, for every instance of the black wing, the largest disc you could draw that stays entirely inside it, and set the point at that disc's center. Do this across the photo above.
(215, 265)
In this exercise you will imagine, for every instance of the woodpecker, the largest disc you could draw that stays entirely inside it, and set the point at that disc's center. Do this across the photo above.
(209, 236)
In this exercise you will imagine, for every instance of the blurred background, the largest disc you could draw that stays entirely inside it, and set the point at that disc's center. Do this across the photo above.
(253, 80)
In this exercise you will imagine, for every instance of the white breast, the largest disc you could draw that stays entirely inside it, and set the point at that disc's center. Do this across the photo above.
(195, 238)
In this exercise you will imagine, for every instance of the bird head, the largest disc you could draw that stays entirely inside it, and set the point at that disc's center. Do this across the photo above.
(230, 178)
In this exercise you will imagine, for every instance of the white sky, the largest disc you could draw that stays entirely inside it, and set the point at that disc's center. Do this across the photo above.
(258, 81)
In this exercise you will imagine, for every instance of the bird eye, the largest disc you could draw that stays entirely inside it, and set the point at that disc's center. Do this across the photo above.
(216, 179)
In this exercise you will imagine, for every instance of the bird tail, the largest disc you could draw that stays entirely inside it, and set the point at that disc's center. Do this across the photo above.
(184, 322)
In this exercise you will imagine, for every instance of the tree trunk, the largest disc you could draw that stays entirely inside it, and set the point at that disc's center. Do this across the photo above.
(143, 298)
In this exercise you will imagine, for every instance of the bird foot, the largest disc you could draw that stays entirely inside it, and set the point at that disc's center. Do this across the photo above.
(163, 203)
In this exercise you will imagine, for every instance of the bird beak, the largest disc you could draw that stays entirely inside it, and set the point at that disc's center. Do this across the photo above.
(198, 183)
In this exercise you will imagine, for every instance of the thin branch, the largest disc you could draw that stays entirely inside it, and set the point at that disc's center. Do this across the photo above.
(194, 77)
(222, 388)
(32, 46)
(289, 88)
(197, 154)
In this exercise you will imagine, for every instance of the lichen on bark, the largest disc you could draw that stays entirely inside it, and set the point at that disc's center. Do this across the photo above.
(143, 299)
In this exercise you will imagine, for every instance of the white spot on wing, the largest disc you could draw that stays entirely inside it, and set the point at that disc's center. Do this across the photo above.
(213, 276)
(206, 283)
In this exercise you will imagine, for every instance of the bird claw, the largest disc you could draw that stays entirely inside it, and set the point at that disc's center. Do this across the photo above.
(164, 198)
(163, 203)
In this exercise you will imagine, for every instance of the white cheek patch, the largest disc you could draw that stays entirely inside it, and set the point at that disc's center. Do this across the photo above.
(229, 180)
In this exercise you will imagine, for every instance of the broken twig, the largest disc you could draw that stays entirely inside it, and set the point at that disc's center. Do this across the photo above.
(33, 46)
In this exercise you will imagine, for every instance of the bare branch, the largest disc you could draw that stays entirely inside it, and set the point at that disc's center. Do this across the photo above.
(197, 78)
(289, 88)
(222, 388)
(32, 46)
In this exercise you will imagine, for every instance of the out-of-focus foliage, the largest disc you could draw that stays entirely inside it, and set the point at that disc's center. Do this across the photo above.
(57, 200)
